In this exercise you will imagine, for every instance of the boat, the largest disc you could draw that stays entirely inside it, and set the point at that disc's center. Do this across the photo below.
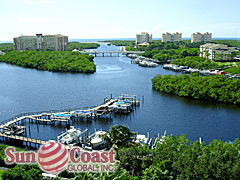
(98, 140)
(152, 64)
(122, 106)
(82, 114)
(13, 129)
(70, 136)
(143, 63)
(142, 139)
(136, 61)
(60, 116)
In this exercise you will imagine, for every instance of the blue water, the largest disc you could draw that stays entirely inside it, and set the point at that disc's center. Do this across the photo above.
(28, 90)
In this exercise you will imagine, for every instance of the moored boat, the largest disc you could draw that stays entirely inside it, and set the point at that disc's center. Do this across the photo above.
(70, 136)
(98, 140)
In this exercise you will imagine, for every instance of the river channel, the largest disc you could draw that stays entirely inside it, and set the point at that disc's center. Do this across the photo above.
(28, 90)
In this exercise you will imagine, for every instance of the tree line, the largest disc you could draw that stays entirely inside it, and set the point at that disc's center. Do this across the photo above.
(51, 61)
(6, 47)
(81, 46)
(211, 88)
(167, 50)
(196, 62)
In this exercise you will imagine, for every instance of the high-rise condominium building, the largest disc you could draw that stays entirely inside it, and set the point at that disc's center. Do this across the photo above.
(168, 37)
(143, 37)
(198, 37)
(56, 42)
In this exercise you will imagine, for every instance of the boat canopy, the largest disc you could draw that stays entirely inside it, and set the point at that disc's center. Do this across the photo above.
(81, 112)
(61, 115)
(120, 102)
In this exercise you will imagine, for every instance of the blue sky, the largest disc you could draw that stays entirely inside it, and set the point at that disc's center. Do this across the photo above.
(93, 19)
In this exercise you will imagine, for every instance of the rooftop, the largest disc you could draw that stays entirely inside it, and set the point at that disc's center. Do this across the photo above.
(53, 35)
(217, 46)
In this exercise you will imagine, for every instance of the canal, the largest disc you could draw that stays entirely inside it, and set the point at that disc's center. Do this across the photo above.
(27, 90)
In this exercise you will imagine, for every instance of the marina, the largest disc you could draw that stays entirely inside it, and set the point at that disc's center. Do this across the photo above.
(10, 129)
(143, 61)
(214, 71)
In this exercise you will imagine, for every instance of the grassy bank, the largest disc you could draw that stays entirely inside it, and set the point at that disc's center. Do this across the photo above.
(81, 46)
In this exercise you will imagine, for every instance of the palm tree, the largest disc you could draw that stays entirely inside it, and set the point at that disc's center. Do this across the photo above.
(119, 136)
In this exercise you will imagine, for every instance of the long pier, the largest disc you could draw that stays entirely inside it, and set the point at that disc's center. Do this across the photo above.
(63, 115)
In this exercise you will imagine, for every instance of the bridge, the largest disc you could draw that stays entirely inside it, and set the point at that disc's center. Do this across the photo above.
(111, 52)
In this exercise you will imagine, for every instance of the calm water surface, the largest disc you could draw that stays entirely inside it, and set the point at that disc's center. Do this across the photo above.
(27, 90)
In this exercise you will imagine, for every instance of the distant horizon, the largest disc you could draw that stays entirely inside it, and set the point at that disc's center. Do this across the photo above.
(184, 38)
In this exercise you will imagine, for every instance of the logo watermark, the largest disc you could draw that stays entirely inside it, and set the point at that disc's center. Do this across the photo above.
(54, 157)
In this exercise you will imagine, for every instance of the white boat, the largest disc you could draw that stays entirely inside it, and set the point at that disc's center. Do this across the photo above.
(136, 61)
(81, 114)
(214, 72)
(152, 64)
(98, 140)
(142, 139)
(70, 136)
(122, 106)
(143, 63)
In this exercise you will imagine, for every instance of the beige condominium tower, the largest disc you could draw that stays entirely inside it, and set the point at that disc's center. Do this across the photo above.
(143, 37)
(56, 42)
(168, 37)
(199, 37)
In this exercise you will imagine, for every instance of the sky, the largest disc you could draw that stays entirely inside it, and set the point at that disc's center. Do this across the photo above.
(98, 19)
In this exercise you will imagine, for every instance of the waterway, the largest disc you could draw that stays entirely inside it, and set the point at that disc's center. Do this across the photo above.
(28, 90)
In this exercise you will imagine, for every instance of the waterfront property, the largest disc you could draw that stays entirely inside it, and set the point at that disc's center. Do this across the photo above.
(215, 51)
(56, 42)
(168, 37)
(199, 37)
(143, 37)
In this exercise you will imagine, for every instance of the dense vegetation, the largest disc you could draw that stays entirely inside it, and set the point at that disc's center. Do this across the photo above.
(173, 53)
(212, 88)
(81, 46)
(23, 172)
(163, 50)
(51, 61)
(196, 62)
(6, 47)
(174, 158)
(235, 69)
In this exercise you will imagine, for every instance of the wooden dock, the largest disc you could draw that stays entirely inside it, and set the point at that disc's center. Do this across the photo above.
(48, 117)
(22, 138)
